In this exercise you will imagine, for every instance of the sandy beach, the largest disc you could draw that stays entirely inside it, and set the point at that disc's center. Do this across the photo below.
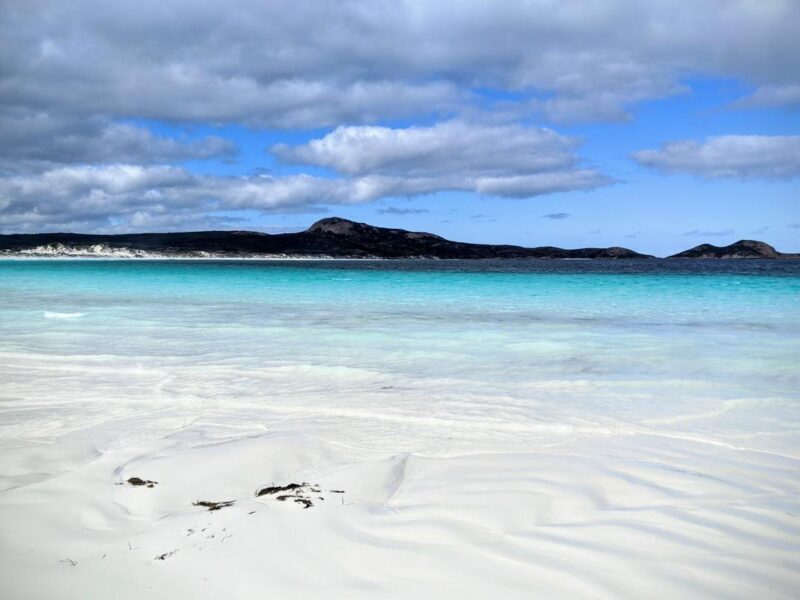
(428, 464)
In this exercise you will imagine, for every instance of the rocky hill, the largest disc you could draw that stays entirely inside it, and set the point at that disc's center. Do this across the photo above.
(332, 237)
(740, 249)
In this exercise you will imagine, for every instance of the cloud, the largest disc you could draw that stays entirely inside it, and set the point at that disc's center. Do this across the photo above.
(540, 184)
(728, 156)
(393, 210)
(253, 62)
(560, 215)
(509, 161)
(135, 197)
(714, 233)
(40, 142)
(116, 197)
(77, 79)
(370, 163)
(770, 96)
(453, 146)
(482, 218)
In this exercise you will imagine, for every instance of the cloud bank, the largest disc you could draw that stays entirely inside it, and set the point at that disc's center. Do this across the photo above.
(728, 156)
(369, 163)
(303, 63)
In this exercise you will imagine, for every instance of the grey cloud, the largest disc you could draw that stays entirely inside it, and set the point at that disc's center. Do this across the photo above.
(624, 85)
(560, 215)
(40, 142)
(88, 197)
(772, 95)
(254, 61)
(393, 210)
(729, 156)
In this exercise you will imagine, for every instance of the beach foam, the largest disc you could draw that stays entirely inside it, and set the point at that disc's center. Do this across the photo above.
(52, 314)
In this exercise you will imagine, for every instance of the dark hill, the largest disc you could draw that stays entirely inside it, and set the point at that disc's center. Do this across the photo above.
(331, 237)
(740, 249)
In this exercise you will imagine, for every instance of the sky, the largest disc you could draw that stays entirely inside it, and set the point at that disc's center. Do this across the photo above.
(646, 124)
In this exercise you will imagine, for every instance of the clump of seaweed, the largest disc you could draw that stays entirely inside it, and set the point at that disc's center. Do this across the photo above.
(212, 506)
(300, 493)
(274, 489)
(138, 481)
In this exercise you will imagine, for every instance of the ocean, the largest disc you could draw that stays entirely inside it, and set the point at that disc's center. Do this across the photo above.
(429, 356)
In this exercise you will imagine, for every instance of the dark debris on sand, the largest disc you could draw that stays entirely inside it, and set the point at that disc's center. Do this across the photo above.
(138, 481)
(298, 492)
(274, 489)
(212, 506)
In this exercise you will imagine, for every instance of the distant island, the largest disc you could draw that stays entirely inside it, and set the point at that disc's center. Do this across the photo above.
(332, 237)
(740, 249)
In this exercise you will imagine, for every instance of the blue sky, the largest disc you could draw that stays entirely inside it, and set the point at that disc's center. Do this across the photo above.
(623, 122)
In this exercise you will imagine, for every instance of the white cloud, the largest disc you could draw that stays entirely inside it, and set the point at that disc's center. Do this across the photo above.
(728, 156)
(371, 163)
(449, 147)
(539, 184)
(498, 160)
(129, 197)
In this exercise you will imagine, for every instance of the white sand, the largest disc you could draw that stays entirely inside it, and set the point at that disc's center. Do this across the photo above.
(627, 515)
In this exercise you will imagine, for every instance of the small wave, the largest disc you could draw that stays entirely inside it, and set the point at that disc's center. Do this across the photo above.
(51, 314)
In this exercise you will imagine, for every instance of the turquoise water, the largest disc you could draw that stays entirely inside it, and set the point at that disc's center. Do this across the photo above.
(502, 353)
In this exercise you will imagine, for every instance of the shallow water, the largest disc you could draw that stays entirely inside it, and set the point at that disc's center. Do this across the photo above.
(435, 357)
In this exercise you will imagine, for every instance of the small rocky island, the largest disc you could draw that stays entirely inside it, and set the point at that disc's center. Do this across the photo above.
(329, 238)
(740, 249)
